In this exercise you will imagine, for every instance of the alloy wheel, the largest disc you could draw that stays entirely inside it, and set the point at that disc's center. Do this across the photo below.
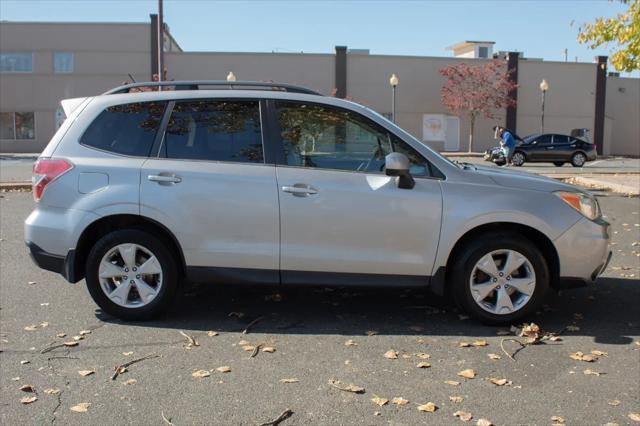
(517, 159)
(502, 282)
(579, 159)
(130, 275)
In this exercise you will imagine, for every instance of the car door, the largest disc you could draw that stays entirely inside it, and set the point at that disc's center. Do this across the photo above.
(343, 221)
(540, 149)
(210, 186)
(560, 148)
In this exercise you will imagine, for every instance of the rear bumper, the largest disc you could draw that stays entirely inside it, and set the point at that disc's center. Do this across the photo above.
(63, 265)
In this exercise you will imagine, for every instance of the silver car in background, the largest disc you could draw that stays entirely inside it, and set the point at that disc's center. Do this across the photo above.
(142, 190)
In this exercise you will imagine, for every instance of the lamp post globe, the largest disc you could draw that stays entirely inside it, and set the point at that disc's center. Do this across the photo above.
(231, 76)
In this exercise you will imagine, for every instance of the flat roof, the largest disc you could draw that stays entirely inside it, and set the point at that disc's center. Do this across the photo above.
(468, 43)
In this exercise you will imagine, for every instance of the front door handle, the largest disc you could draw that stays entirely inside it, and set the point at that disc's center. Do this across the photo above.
(300, 190)
(164, 178)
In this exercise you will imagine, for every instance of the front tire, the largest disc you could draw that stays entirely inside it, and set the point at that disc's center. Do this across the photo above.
(499, 278)
(578, 159)
(131, 275)
(518, 159)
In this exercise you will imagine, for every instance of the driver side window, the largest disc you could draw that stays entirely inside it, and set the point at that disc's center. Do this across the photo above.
(325, 137)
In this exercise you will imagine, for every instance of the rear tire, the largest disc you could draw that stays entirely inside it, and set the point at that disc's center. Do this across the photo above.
(125, 281)
(518, 159)
(578, 159)
(485, 297)
(558, 163)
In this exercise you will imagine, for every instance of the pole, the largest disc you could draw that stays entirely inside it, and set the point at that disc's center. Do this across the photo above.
(544, 94)
(160, 43)
(393, 101)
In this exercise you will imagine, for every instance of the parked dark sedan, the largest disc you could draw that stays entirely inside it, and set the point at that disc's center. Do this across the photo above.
(554, 148)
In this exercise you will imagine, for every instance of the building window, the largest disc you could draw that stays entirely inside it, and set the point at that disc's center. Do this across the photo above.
(16, 62)
(63, 62)
(483, 52)
(17, 125)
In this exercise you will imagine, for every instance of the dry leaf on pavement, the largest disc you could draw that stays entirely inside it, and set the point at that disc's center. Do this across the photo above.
(70, 343)
(599, 353)
(499, 382)
(84, 332)
(455, 398)
(28, 399)
(557, 419)
(61, 335)
(224, 369)
(398, 400)
(463, 415)
(127, 353)
(346, 387)
(391, 354)
(52, 391)
(479, 343)
(32, 327)
(531, 332)
(464, 344)
(85, 373)
(579, 356)
(269, 349)
(200, 374)
(130, 382)
(483, 422)
(467, 374)
(452, 382)
(379, 401)
(589, 372)
(614, 403)
(494, 356)
(423, 355)
(350, 342)
(423, 365)
(27, 388)
(635, 417)
(291, 380)
(429, 407)
(81, 408)
(248, 348)
(212, 333)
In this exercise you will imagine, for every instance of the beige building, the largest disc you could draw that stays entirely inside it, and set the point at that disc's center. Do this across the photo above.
(42, 63)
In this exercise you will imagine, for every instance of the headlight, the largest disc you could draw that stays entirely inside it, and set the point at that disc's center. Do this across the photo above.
(586, 204)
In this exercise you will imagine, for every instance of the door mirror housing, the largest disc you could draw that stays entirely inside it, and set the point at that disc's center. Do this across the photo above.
(397, 164)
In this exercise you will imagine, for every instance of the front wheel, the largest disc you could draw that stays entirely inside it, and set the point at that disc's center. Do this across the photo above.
(499, 278)
(130, 274)
(578, 159)
(518, 159)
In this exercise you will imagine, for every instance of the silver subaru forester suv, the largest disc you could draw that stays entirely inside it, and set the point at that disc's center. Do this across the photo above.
(151, 185)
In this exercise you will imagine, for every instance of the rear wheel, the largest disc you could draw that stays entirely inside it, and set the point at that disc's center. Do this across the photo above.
(499, 278)
(558, 163)
(578, 159)
(131, 275)
(518, 159)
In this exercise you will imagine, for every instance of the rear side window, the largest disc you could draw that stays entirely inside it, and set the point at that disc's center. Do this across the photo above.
(215, 131)
(127, 129)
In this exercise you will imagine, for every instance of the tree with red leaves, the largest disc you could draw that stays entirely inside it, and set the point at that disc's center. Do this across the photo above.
(477, 90)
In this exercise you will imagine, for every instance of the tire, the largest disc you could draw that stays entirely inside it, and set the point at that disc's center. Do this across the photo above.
(518, 159)
(578, 159)
(465, 274)
(558, 163)
(158, 289)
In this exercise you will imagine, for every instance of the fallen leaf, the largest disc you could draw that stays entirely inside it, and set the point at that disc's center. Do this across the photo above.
(462, 415)
(130, 382)
(377, 413)
(243, 343)
(499, 382)
(344, 387)
(85, 373)
(379, 401)
(81, 408)
(78, 338)
(31, 282)
(70, 344)
(52, 391)
(599, 353)
(200, 374)
(494, 356)
(212, 333)
(456, 399)
(291, 380)
(84, 332)
(483, 422)
(391, 354)
(579, 356)
(555, 338)
(350, 343)
(224, 369)
(557, 419)
(467, 374)
(589, 372)
(61, 335)
(24, 361)
(15, 379)
(423, 356)
(248, 348)
(398, 400)
(531, 332)
(423, 365)
(32, 327)
(27, 388)
(635, 417)
(269, 349)
(429, 407)
(614, 403)
(479, 343)
(464, 344)
(127, 353)
(28, 399)
(452, 382)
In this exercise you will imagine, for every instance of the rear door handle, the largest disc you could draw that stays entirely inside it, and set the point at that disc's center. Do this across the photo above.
(164, 178)
(300, 190)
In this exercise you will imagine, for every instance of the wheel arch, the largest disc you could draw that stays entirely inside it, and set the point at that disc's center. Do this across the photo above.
(107, 224)
(539, 239)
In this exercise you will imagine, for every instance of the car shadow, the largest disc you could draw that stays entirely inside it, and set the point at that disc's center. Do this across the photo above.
(607, 311)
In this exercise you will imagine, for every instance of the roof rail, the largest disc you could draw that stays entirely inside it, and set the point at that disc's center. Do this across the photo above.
(196, 85)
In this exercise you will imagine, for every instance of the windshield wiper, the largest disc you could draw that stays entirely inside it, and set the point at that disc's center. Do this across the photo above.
(465, 165)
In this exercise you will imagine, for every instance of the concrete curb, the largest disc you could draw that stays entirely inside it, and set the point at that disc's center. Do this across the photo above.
(595, 183)
(15, 186)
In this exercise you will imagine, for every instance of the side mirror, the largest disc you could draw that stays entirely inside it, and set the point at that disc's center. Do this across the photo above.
(397, 164)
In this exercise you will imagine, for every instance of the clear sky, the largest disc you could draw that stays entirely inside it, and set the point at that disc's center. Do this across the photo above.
(541, 29)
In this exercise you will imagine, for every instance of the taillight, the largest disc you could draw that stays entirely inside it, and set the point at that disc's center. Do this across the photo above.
(45, 171)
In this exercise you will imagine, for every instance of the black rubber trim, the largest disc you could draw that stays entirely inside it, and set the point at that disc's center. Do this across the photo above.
(565, 283)
(351, 279)
(46, 260)
(214, 275)
(438, 282)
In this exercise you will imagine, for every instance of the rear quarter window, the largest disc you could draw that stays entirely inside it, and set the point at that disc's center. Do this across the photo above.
(127, 129)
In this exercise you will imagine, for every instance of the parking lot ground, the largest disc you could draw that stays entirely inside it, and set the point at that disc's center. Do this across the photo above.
(318, 335)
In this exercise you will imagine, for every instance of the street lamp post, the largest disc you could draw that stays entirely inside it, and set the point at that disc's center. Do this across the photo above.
(544, 86)
(393, 81)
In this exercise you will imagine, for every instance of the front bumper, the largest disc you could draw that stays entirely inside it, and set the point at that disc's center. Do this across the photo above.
(583, 251)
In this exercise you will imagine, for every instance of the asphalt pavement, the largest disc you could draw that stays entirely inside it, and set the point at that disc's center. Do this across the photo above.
(318, 335)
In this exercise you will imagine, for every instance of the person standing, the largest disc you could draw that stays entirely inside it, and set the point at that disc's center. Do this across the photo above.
(508, 142)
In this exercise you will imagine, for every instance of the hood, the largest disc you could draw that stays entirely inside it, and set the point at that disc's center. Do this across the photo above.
(510, 178)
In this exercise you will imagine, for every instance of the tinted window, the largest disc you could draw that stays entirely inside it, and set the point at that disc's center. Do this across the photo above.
(324, 137)
(215, 131)
(560, 139)
(543, 139)
(127, 129)
(16, 62)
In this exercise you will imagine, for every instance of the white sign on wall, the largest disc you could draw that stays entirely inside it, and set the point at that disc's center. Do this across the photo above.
(433, 127)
